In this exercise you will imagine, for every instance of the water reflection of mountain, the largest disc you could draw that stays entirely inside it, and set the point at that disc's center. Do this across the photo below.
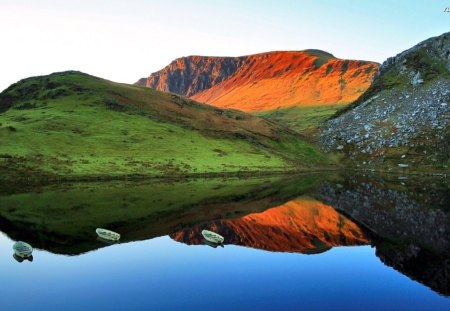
(409, 222)
(63, 219)
(301, 225)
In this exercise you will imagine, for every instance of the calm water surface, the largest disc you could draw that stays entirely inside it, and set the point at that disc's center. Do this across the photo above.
(309, 243)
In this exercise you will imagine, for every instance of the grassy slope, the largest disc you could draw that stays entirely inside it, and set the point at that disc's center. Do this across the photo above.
(73, 124)
(300, 118)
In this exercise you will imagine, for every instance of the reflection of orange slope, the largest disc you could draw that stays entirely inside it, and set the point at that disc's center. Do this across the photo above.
(267, 81)
(304, 226)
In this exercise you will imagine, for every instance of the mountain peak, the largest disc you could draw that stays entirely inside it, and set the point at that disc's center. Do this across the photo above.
(265, 81)
(318, 53)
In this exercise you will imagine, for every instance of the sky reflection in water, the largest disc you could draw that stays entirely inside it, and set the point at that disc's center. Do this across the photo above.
(162, 274)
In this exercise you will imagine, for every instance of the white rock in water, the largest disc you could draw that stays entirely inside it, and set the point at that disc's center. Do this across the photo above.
(403, 165)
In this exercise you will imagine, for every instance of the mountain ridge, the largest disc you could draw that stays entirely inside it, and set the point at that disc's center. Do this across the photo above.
(266, 81)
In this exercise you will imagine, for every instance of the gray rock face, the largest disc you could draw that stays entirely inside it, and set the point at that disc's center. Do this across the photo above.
(407, 106)
(436, 47)
(190, 75)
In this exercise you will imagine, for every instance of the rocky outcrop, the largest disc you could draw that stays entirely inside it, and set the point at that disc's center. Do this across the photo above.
(403, 118)
(193, 74)
(266, 81)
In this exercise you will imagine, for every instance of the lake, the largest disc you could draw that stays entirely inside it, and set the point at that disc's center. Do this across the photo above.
(313, 242)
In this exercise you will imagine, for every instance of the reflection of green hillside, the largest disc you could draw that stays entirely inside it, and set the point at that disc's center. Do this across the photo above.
(303, 119)
(63, 219)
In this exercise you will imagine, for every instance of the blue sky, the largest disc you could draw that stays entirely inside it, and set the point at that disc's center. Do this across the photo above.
(126, 40)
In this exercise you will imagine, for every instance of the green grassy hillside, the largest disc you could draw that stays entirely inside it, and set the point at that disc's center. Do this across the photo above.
(303, 119)
(75, 125)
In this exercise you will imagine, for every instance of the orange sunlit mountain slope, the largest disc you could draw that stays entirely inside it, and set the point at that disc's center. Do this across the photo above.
(266, 81)
(302, 225)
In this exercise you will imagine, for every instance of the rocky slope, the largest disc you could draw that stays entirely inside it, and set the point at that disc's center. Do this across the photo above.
(302, 225)
(266, 81)
(403, 118)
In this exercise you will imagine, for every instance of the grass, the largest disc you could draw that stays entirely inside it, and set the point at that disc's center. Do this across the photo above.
(301, 119)
(73, 124)
(429, 66)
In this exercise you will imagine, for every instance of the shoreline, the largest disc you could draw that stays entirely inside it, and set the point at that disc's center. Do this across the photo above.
(14, 181)
(137, 177)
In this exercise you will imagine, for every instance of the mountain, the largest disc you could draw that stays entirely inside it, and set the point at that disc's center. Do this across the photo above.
(403, 118)
(74, 125)
(301, 225)
(267, 81)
